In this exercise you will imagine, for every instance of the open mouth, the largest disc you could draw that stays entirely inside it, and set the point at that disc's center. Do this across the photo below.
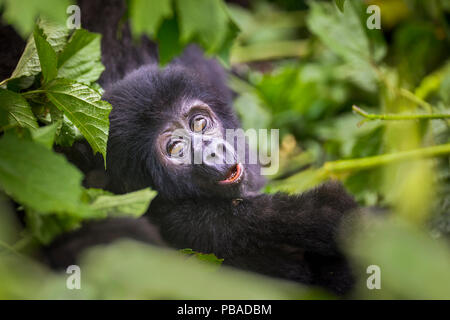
(234, 175)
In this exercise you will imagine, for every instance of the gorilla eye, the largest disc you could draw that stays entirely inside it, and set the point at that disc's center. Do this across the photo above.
(175, 149)
(198, 124)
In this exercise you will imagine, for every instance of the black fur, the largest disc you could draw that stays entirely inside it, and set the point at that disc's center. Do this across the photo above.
(291, 237)
(66, 250)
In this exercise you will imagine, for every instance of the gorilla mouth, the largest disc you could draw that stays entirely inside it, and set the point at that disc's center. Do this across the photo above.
(234, 174)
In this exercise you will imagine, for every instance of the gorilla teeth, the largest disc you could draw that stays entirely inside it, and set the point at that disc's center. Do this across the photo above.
(235, 174)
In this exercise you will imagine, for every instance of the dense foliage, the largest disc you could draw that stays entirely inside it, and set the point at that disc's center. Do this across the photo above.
(368, 107)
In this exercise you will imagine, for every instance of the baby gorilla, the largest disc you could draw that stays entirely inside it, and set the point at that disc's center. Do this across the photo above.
(213, 206)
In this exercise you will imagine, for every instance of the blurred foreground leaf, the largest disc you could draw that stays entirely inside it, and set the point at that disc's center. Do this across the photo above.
(131, 270)
(37, 177)
(133, 204)
(413, 265)
(22, 14)
(147, 15)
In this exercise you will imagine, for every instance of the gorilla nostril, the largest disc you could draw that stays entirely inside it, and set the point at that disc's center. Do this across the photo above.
(213, 154)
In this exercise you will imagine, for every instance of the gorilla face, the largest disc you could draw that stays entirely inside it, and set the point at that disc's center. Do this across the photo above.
(192, 145)
(167, 131)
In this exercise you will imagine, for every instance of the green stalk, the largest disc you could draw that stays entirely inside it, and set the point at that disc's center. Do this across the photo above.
(429, 116)
(370, 162)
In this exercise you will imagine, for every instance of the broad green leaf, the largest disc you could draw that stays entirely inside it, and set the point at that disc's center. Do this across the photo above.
(346, 35)
(340, 4)
(132, 204)
(147, 15)
(80, 59)
(17, 109)
(46, 227)
(298, 183)
(342, 33)
(205, 19)
(56, 34)
(224, 52)
(121, 271)
(29, 64)
(65, 131)
(22, 14)
(47, 57)
(38, 178)
(413, 265)
(84, 108)
(45, 135)
(168, 38)
(66, 134)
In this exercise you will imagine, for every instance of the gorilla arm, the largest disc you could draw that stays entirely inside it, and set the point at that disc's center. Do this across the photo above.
(309, 221)
(292, 237)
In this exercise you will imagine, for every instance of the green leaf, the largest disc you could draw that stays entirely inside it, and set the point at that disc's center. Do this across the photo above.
(132, 204)
(207, 257)
(412, 264)
(205, 20)
(46, 227)
(297, 183)
(80, 59)
(120, 271)
(29, 64)
(66, 134)
(346, 35)
(39, 178)
(47, 57)
(168, 38)
(17, 109)
(22, 14)
(65, 131)
(147, 15)
(84, 108)
(340, 4)
(224, 53)
(342, 33)
(45, 135)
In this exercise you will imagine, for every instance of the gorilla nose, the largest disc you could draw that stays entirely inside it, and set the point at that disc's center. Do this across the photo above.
(213, 151)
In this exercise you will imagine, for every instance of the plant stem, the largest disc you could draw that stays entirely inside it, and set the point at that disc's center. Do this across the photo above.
(8, 248)
(4, 81)
(400, 91)
(370, 162)
(412, 97)
(399, 116)
(32, 92)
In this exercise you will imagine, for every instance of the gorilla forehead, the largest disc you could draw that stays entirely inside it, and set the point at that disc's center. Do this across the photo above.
(153, 96)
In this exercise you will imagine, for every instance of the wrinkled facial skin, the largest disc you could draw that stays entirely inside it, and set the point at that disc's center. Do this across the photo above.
(167, 132)
(193, 144)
